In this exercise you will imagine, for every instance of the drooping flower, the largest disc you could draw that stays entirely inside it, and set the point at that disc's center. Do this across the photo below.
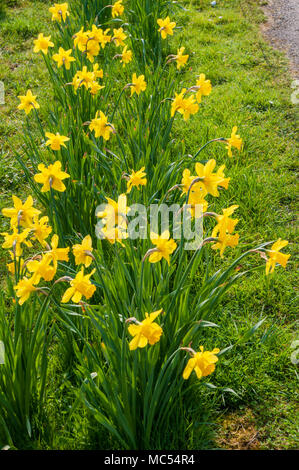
(51, 177)
(80, 286)
(276, 257)
(145, 332)
(211, 180)
(117, 9)
(21, 214)
(42, 43)
(165, 246)
(119, 36)
(180, 58)
(64, 58)
(101, 126)
(203, 363)
(28, 102)
(166, 27)
(24, 288)
(59, 11)
(126, 56)
(233, 141)
(82, 252)
(56, 141)
(204, 86)
(136, 178)
(138, 84)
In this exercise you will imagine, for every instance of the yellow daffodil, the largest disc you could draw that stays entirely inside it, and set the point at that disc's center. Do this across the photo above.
(40, 229)
(164, 247)
(98, 73)
(225, 223)
(126, 56)
(211, 180)
(101, 126)
(185, 106)
(276, 257)
(80, 286)
(203, 363)
(56, 141)
(51, 177)
(114, 213)
(95, 88)
(180, 58)
(136, 178)
(28, 102)
(24, 288)
(233, 141)
(197, 201)
(119, 36)
(16, 239)
(224, 240)
(58, 254)
(41, 269)
(145, 332)
(83, 78)
(82, 252)
(64, 58)
(59, 11)
(117, 9)
(166, 27)
(138, 84)
(42, 43)
(80, 40)
(204, 87)
(21, 214)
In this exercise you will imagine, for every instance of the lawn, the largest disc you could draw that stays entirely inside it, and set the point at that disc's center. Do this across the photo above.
(251, 89)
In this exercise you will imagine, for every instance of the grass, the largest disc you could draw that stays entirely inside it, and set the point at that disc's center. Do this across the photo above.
(251, 89)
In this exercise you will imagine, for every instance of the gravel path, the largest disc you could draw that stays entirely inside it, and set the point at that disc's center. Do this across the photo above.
(283, 28)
